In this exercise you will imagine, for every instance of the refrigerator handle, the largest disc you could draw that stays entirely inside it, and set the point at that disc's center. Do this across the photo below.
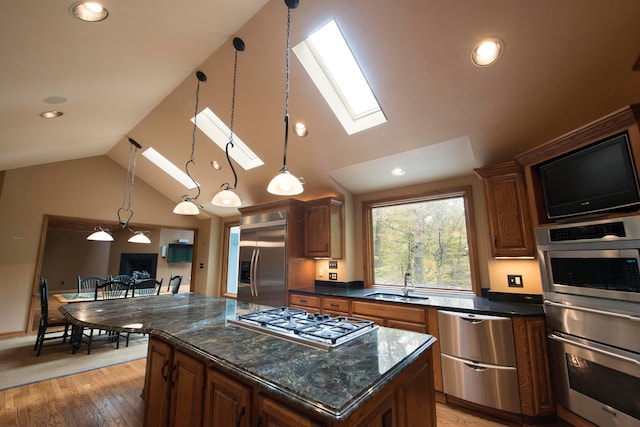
(252, 273)
(255, 283)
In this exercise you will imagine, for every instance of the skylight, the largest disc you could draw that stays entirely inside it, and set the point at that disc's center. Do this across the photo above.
(331, 65)
(218, 132)
(169, 168)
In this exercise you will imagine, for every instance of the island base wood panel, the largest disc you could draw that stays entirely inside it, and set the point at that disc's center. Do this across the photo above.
(182, 388)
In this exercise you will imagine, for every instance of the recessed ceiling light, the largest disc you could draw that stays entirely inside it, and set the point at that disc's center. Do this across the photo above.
(53, 114)
(216, 165)
(398, 172)
(300, 129)
(89, 11)
(487, 51)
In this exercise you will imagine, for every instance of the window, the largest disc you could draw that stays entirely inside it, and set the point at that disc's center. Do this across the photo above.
(231, 254)
(427, 237)
(332, 66)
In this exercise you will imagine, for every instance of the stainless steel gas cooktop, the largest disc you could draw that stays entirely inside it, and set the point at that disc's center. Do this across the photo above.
(314, 329)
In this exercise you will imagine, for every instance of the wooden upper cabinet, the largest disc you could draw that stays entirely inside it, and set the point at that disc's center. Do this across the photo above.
(626, 119)
(323, 228)
(507, 210)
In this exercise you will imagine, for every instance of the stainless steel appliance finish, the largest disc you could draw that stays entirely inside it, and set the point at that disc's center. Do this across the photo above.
(262, 258)
(595, 258)
(314, 329)
(591, 283)
(478, 359)
(595, 358)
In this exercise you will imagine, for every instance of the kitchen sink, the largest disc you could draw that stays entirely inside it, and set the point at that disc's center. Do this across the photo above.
(383, 296)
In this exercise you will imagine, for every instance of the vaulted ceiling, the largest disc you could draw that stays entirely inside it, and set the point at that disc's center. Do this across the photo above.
(133, 75)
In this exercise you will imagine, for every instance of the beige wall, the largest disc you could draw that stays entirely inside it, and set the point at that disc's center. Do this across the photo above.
(86, 188)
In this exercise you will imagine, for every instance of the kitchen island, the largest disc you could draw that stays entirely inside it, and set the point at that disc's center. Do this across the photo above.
(204, 369)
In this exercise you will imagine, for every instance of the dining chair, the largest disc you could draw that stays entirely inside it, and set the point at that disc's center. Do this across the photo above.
(110, 289)
(123, 278)
(146, 287)
(88, 284)
(174, 284)
(47, 322)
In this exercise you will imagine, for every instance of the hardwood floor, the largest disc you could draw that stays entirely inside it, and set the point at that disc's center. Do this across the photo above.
(111, 397)
(102, 397)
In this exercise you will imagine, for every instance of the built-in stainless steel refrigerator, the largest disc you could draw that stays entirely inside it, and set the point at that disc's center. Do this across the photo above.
(262, 263)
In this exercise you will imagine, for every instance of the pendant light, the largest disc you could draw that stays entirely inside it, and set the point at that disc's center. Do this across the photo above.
(125, 212)
(285, 184)
(188, 206)
(100, 235)
(226, 197)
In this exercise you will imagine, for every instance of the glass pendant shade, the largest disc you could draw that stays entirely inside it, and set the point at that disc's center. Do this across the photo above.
(186, 207)
(285, 184)
(100, 236)
(227, 199)
(139, 237)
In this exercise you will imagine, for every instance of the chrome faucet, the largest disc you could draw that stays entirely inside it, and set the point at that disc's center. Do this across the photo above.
(405, 290)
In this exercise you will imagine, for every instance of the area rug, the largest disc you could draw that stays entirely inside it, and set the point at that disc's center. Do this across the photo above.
(19, 364)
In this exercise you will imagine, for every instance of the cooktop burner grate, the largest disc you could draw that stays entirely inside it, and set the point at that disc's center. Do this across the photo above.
(318, 330)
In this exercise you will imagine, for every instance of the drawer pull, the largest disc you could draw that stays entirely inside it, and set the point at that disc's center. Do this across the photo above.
(335, 305)
(475, 367)
(303, 300)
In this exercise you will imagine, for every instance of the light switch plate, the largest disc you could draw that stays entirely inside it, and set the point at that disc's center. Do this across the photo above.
(514, 280)
(333, 264)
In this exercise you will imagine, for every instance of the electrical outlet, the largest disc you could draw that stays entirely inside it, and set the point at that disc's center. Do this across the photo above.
(333, 276)
(333, 264)
(514, 280)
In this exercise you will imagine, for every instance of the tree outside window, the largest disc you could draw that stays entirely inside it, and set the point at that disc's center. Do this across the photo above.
(426, 237)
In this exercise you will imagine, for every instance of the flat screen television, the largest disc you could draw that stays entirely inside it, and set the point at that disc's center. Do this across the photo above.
(597, 178)
(179, 252)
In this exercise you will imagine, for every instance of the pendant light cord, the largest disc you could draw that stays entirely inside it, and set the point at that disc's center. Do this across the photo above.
(239, 46)
(131, 172)
(201, 78)
(286, 96)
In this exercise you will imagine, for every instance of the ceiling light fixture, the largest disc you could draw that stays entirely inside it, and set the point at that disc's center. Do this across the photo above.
(300, 129)
(285, 184)
(188, 206)
(125, 212)
(226, 197)
(487, 51)
(52, 114)
(398, 172)
(89, 11)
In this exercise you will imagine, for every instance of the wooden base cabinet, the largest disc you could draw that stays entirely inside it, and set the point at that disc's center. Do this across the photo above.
(173, 388)
(226, 402)
(181, 390)
(271, 413)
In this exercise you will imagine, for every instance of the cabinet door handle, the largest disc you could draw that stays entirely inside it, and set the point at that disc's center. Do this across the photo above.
(259, 422)
(164, 374)
(173, 374)
(239, 417)
(495, 241)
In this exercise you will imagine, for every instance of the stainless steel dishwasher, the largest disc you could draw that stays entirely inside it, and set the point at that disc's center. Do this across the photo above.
(479, 359)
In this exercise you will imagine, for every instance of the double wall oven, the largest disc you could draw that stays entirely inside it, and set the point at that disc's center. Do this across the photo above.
(591, 279)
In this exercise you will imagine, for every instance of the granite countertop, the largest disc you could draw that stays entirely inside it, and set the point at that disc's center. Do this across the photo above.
(453, 302)
(332, 383)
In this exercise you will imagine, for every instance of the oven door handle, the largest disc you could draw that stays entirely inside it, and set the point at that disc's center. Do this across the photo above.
(597, 350)
(592, 310)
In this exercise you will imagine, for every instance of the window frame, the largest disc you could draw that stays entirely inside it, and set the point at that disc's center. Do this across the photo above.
(465, 192)
(224, 269)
